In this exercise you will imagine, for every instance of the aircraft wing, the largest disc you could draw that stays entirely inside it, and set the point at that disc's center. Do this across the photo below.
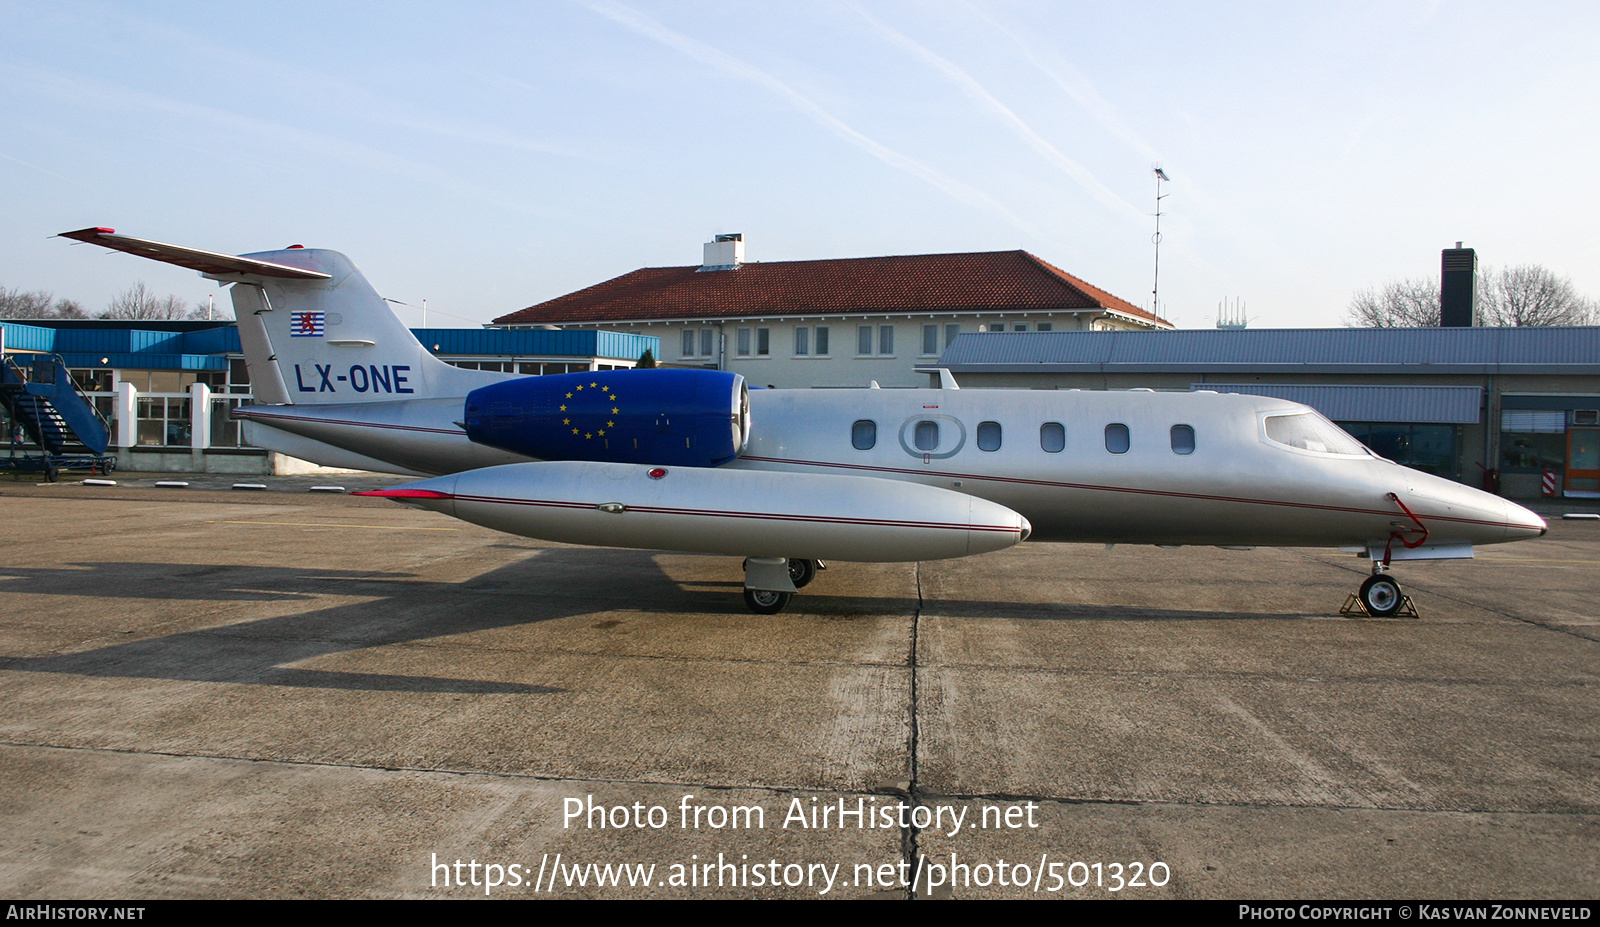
(206, 262)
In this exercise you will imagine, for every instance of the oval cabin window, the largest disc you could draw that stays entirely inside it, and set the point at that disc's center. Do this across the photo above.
(1117, 441)
(988, 436)
(1052, 437)
(864, 435)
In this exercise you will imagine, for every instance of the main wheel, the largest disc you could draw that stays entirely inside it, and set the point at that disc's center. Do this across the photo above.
(765, 601)
(1381, 595)
(802, 572)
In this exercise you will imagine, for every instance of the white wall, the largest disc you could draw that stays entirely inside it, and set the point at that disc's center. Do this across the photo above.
(843, 365)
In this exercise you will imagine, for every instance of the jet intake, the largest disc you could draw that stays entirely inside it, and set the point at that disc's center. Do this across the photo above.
(686, 418)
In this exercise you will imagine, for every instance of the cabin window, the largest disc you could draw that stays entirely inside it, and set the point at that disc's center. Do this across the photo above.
(1182, 439)
(864, 435)
(1052, 437)
(988, 436)
(1117, 441)
(926, 437)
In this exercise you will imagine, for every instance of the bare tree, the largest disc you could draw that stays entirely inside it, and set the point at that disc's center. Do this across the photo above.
(138, 303)
(1529, 294)
(1400, 304)
(38, 304)
(16, 304)
(68, 309)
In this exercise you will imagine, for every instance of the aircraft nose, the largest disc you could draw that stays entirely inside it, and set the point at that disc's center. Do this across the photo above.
(1522, 523)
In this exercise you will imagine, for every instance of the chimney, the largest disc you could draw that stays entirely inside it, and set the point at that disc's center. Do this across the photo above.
(1458, 288)
(725, 252)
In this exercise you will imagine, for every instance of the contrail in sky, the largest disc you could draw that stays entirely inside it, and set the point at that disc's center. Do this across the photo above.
(705, 54)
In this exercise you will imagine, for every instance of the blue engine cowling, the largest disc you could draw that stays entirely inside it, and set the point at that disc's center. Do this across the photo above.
(686, 418)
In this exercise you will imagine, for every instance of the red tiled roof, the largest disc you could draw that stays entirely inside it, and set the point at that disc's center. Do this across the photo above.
(989, 281)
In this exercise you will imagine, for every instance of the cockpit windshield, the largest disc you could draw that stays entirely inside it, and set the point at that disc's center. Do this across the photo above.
(1309, 431)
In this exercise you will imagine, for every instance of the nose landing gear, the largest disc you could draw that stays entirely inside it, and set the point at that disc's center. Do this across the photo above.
(1380, 597)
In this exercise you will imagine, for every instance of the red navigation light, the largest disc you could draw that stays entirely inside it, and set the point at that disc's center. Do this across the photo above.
(657, 473)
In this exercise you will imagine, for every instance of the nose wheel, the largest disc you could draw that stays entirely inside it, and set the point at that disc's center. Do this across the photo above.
(1381, 595)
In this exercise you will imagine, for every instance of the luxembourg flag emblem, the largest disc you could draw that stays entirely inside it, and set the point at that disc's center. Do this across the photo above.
(305, 324)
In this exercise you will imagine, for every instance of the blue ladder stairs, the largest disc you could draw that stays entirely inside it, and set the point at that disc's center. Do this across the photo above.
(46, 404)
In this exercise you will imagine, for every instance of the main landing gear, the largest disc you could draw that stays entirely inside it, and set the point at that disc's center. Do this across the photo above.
(770, 582)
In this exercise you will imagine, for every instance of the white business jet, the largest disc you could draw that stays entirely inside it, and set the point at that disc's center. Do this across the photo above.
(692, 460)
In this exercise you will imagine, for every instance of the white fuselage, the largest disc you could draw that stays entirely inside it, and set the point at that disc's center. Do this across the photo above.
(1044, 454)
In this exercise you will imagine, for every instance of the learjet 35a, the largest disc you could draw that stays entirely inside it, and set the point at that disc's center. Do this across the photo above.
(692, 460)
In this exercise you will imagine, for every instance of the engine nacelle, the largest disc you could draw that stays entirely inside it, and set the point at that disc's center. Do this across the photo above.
(689, 418)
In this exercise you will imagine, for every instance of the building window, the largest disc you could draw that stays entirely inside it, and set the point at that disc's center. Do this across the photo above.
(885, 339)
(930, 340)
(822, 341)
(926, 436)
(763, 342)
(864, 340)
(706, 342)
(1183, 439)
(1052, 437)
(802, 341)
(864, 435)
(988, 436)
(1020, 327)
(1047, 326)
(688, 342)
(744, 342)
(1117, 441)
(950, 333)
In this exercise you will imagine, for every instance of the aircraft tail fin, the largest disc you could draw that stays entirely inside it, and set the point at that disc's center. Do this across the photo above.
(312, 328)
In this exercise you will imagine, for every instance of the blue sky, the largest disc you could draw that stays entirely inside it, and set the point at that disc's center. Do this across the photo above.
(489, 156)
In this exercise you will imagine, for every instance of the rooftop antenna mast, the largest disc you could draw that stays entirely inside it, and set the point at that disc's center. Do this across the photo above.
(1155, 290)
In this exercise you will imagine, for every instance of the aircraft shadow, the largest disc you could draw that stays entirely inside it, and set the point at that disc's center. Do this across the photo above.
(397, 608)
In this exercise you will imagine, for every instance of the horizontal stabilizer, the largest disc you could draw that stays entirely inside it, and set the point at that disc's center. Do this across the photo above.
(206, 262)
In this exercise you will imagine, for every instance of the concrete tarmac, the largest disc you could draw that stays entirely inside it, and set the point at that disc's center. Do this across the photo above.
(220, 693)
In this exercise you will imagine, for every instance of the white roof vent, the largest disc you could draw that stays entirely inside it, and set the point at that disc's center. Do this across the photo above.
(725, 252)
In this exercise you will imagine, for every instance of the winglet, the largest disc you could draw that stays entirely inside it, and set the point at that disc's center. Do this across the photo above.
(206, 262)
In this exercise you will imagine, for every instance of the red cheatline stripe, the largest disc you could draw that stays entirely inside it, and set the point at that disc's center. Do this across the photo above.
(336, 421)
(402, 493)
(1126, 489)
(760, 516)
